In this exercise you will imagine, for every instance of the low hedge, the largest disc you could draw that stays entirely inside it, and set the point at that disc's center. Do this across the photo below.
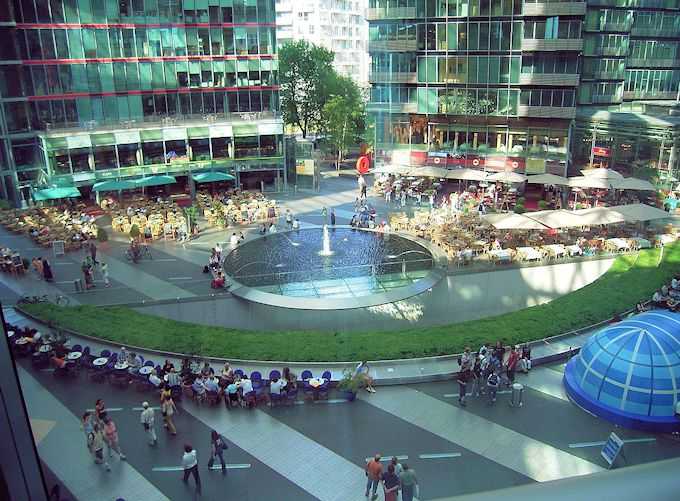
(630, 279)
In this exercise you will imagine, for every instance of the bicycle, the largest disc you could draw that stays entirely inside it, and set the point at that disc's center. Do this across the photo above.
(142, 252)
(59, 300)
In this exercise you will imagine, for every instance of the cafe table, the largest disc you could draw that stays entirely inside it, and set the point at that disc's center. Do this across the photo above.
(21, 341)
(46, 348)
(121, 366)
(316, 382)
(146, 370)
(74, 355)
(100, 362)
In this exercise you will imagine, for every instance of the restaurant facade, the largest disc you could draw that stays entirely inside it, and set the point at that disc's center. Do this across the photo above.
(524, 85)
(95, 90)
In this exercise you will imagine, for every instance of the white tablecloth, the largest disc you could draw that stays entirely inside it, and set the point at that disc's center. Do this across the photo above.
(574, 250)
(556, 249)
(642, 243)
(500, 255)
(666, 238)
(529, 253)
(618, 243)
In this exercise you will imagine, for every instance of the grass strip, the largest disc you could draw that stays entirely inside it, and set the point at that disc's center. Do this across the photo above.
(631, 278)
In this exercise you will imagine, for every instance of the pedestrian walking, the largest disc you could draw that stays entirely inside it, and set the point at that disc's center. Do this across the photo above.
(463, 378)
(390, 483)
(398, 468)
(93, 252)
(362, 186)
(324, 214)
(190, 466)
(148, 420)
(218, 445)
(374, 472)
(168, 409)
(47, 270)
(403, 198)
(86, 268)
(409, 484)
(105, 273)
(512, 364)
(388, 195)
(332, 217)
(111, 436)
(492, 383)
(99, 410)
(96, 441)
(87, 425)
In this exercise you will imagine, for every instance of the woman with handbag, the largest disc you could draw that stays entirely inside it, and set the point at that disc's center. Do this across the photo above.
(408, 483)
(218, 445)
(168, 409)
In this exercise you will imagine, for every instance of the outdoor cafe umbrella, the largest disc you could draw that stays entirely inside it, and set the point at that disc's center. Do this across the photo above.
(507, 177)
(145, 182)
(428, 172)
(466, 174)
(599, 215)
(633, 183)
(512, 221)
(212, 177)
(548, 179)
(55, 193)
(391, 169)
(590, 182)
(634, 213)
(114, 185)
(557, 219)
(607, 174)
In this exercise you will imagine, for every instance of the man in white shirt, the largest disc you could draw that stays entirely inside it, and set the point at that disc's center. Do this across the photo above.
(275, 386)
(174, 379)
(190, 466)
(148, 420)
(296, 224)
(272, 228)
(246, 385)
(233, 241)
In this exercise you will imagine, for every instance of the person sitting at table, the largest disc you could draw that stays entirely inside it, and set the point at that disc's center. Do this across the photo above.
(211, 385)
(199, 389)
(207, 370)
(659, 300)
(227, 373)
(167, 366)
(232, 397)
(641, 307)
(290, 379)
(58, 360)
(173, 378)
(276, 386)
(362, 372)
(155, 380)
(246, 385)
(496, 245)
(186, 367)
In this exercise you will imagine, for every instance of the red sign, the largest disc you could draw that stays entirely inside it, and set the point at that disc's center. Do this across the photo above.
(599, 151)
(363, 164)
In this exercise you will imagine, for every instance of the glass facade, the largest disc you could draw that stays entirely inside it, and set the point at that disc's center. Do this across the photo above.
(140, 65)
(475, 82)
(507, 83)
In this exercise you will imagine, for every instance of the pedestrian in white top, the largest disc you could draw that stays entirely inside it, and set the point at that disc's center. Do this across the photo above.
(148, 420)
(190, 466)
(104, 268)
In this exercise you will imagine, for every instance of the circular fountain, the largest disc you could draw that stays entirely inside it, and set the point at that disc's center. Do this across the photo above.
(331, 268)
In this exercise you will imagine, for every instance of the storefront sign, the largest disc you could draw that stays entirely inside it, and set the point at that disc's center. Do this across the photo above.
(599, 151)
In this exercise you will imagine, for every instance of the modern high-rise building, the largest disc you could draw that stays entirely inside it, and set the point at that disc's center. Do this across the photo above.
(95, 90)
(519, 84)
(338, 25)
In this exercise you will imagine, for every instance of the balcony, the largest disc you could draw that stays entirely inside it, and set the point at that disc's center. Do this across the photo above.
(649, 95)
(609, 51)
(640, 31)
(652, 63)
(554, 9)
(616, 27)
(552, 45)
(546, 112)
(560, 79)
(393, 77)
(605, 99)
(392, 46)
(395, 13)
(392, 107)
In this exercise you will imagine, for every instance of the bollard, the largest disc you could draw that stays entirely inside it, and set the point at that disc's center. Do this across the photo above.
(403, 267)
(77, 285)
(516, 398)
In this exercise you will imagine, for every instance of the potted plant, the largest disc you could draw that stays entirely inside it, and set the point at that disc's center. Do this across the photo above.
(349, 385)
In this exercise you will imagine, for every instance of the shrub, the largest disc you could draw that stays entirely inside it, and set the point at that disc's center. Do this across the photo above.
(520, 209)
(134, 231)
(4, 204)
(542, 204)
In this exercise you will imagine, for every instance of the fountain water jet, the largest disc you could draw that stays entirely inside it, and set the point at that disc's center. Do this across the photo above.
(326, 250)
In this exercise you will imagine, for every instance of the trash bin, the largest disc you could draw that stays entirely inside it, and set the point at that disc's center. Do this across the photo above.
(516, 399)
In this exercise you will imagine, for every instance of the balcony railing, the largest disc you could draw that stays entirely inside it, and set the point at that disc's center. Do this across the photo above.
(633, 62)
(393, 77)
(392, 13)
(392, 107)
(605, 99)
(553, 45)
(636, 94)
(392, 46)
(560, 79)
(609, 51)
(654, 32)
(546, 112)
(554, 9)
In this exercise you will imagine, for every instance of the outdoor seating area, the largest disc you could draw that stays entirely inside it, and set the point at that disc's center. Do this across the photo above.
(236, 207)
(155, 219)
(536, 236)
(11, 261)
(44, 225)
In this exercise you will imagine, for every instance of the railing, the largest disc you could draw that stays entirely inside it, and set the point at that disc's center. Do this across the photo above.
(393, 107)
(546, 112)
(393, 77)
(391, 13)
(635, 62)
(554, 9)
(549, 79)
(612, 26)
(392, 45)
(556, 44)
(610, 51)
(607, 75)
(654, 32)
(162, 120)
(605, 99)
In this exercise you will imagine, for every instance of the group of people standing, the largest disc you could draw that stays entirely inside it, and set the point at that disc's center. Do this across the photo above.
(42, 268)
(89, 264)
(398, 477)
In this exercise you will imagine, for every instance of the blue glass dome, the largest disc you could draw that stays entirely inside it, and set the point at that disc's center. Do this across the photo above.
(629, 372)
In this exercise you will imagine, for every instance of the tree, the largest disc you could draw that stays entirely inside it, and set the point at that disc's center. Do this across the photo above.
(344, 123)
(307, 80)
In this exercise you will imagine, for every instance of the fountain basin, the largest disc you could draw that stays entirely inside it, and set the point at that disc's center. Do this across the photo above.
(365, 268)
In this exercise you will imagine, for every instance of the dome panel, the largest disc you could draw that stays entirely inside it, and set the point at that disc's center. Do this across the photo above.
(629, 372)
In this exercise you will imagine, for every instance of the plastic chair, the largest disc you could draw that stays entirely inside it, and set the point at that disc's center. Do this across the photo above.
(291, 397)
(275, 374)
(256, 379)
(77, 347)
(149, 363)
(239, 373)
(251, 399)
(105, 354)
(306, 374)
(326, 375)
(323, 389)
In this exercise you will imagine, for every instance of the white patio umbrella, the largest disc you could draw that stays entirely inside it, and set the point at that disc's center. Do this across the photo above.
(391, 169)
(633, 183)
(466, 174)
(548, 179)
(428, 171)
(602, 173)
(511, 221)
(634, 213)
(507, 177)
(589, 182)
(599, 215)
(557, 218)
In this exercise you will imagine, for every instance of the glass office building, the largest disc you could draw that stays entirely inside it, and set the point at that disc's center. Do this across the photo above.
(112, 89)
(501, 84)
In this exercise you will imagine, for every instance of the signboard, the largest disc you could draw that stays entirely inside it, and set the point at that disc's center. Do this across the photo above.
(612, 448)
(58, 247)
(305, 168)
(599, 151)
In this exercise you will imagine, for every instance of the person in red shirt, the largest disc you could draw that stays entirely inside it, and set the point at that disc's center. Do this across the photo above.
(374, 471)
(512, 363)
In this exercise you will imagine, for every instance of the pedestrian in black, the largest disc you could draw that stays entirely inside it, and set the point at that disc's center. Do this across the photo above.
(190, 466)
(218, 445)
(332, 217)
(93, 252)
(463, 377)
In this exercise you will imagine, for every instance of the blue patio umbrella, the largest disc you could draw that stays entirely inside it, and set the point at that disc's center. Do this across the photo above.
(114, 185)
(145, 182)
(211, 177)
(56, 193)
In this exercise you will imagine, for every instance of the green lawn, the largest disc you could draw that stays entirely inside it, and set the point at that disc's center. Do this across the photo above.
(631, 278)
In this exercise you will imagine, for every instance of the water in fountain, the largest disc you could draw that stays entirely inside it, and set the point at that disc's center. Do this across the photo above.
(326, 250)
